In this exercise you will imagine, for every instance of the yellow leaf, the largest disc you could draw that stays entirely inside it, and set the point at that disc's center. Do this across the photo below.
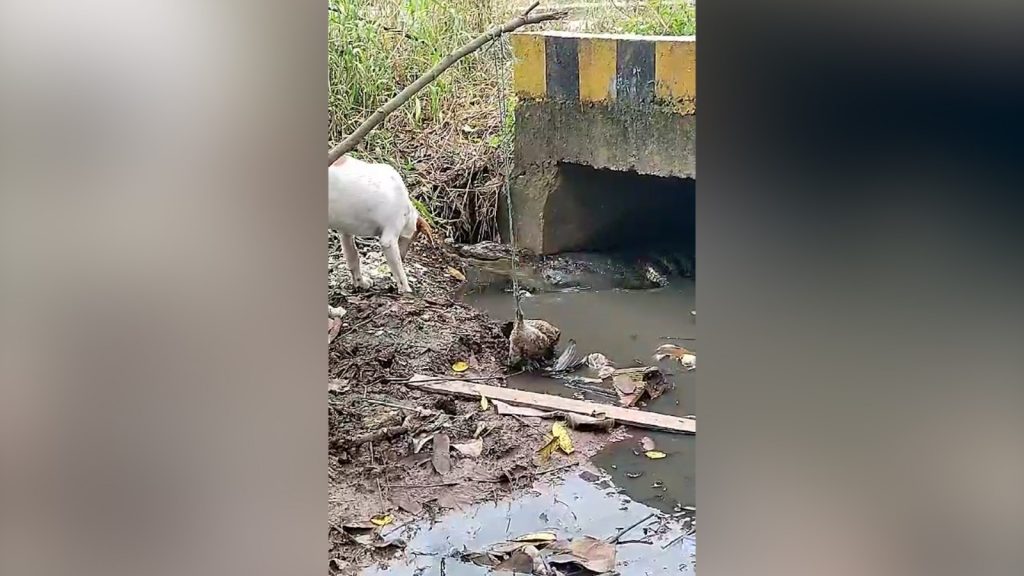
(562, 435)
(484, 405)
(547, 449)
(456, 274)
(382, 520)
(654, 454)
(460, 367)
(537, 537)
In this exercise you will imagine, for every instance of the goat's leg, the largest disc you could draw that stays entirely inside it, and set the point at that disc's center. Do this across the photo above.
(403, 246)
(348, 247)
(392, 253)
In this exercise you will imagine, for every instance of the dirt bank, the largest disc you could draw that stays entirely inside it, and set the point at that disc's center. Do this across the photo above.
(386, 338)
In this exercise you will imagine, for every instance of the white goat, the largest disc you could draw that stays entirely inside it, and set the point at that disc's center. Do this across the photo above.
(366, 199)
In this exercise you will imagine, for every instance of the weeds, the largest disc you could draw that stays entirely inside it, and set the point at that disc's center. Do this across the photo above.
(648, 17)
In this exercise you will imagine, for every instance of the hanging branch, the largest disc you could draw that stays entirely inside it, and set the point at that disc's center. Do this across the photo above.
(377, 117)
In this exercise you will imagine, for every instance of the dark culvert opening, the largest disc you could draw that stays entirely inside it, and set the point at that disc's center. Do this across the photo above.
(607, 210)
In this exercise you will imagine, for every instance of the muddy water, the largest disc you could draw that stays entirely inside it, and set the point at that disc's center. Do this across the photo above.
(626, 326)
(578, 505)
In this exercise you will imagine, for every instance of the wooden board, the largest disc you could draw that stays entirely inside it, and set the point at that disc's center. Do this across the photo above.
(633, 417)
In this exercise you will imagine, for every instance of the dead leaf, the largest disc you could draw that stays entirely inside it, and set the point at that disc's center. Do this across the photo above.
(457, 498)
(405, 502)
(647, 443)
(382, 519)
(338, 386)
(418, 442)
(505, 548)
(456, 274)
(547, 449)
(655, 455)
(470, 449)
(594, 554)
(442, 459)
(517, 562)
(460, 367)
(624, 384)
(356, 526)
(483, 403)
(333, 327)
(480, 559)
(635, 384)
(482, 428)
(564, 441)
(537, 537)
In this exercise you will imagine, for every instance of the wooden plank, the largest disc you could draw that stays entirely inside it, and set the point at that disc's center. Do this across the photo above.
(633, 417)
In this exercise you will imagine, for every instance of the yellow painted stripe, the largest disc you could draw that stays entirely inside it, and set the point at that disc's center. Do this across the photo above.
(529, 68)
(675, 73)
(597, 69)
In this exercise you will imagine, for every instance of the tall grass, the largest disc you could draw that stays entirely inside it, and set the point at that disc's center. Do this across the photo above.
(648, 17)
(377, 47)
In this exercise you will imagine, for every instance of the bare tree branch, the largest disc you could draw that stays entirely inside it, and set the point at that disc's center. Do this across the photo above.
(378, 116)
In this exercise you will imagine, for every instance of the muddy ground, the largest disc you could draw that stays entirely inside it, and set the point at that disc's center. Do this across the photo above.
(385, 339)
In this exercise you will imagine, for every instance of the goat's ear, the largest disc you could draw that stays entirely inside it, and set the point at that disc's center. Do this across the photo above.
(424, 227)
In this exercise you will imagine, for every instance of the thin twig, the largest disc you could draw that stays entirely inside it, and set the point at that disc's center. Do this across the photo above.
(359, 324)
(380, 494)
(622, 532)
(438, 485)
(416, 409)
(446, 379)
(676, 539)
(556, 468)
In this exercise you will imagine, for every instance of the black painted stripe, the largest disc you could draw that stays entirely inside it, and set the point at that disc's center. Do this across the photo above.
(562, 68)
(634, 72)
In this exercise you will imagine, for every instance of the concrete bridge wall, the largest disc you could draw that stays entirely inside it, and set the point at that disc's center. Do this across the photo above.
(603, 102)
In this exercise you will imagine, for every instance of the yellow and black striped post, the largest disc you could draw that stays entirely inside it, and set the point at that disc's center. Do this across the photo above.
(608, 69)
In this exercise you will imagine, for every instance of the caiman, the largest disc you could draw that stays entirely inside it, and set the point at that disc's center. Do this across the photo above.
(624, 269)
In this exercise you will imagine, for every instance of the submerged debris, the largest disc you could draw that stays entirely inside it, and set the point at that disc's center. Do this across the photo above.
(636, 384)
(685, 357)
(540, 553)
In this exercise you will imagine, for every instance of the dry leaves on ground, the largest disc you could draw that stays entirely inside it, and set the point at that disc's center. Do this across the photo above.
(458, 498)
(406, 502)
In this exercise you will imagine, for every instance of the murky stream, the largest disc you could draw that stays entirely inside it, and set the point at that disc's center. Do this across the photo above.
(626, 326)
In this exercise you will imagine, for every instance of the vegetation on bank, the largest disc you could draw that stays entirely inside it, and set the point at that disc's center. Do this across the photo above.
(446, 140)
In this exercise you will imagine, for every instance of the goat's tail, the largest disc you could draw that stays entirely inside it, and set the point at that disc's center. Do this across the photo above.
(423, 227)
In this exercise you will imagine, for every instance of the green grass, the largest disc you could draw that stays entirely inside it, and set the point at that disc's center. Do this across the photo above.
(650, 17)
